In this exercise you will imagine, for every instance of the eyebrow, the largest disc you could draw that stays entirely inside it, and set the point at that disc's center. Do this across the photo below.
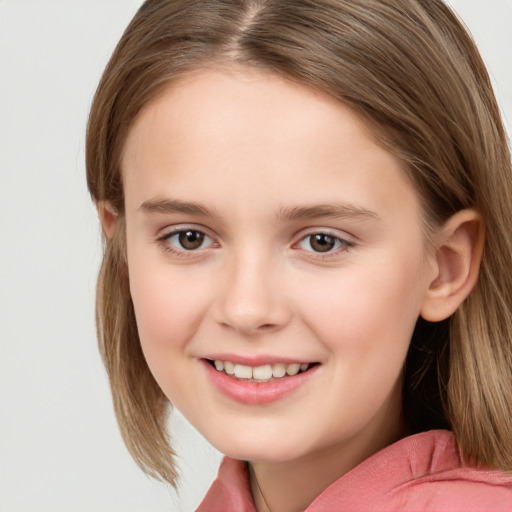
(333, 210)
(176, 206)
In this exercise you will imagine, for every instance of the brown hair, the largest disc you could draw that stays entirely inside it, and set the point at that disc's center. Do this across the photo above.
(412, 71)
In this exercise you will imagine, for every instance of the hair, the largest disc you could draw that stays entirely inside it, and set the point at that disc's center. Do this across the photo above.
(411, 70)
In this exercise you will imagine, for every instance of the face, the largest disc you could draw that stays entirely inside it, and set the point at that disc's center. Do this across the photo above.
(268, 235)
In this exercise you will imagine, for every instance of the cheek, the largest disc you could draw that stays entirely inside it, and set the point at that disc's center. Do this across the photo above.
(168, 303)
(367, 308)
(168, 309)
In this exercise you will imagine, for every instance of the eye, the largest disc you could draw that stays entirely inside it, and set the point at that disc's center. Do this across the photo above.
(187, 240)
(322, 242)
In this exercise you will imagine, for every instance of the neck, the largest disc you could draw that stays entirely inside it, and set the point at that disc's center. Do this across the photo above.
(291, 486)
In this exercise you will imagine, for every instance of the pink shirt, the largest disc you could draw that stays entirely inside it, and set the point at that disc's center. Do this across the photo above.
(419, 473)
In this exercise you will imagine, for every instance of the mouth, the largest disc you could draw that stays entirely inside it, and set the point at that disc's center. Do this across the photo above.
(259, 374)
(267, 382)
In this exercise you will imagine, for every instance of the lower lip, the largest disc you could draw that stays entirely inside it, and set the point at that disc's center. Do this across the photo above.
(257, 393)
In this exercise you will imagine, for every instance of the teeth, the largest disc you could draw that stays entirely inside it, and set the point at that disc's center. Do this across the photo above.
(279, 370)
(293, 369)
(260, 373)
(243, 372)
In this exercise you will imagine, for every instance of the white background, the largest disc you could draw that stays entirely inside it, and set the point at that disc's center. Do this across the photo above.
(60, 449)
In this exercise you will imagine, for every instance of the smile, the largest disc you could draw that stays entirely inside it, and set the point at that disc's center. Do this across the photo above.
(258, 385)
(264, 373)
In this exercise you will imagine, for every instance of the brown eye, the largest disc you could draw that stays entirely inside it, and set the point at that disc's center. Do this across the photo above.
(324, 243)
(185, 241)
(190, 239)
(321, 242)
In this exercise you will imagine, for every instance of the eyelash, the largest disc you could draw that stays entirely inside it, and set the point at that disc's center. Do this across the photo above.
(341, 244)
(165, 242)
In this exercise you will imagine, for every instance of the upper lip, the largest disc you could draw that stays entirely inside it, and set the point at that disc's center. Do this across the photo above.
(255, 360)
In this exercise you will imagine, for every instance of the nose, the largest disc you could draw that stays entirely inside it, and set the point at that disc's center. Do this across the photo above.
(253, 300)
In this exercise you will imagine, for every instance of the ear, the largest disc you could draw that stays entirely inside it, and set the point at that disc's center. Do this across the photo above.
(456, 265)
(108, 218)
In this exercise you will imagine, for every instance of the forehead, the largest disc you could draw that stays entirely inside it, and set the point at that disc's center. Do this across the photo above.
(258, 104)
(257, 134)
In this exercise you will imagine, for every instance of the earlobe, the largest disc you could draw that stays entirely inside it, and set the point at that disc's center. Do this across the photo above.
(458, 254)
(108, 218)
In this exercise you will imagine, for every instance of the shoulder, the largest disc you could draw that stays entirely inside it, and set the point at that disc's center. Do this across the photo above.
(439, 480)
(423, 472)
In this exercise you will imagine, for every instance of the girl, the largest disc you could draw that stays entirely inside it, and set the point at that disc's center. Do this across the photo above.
(306, 207)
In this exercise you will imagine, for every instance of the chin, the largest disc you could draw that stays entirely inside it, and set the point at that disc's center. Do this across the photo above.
(258, 448)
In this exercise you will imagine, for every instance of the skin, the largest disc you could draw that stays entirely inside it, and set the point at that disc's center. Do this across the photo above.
(252, 148)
